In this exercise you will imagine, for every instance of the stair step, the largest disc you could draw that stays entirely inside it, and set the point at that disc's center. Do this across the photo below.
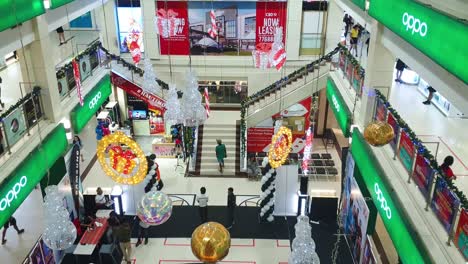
(217, 173)
(216, 136)
(207, 126)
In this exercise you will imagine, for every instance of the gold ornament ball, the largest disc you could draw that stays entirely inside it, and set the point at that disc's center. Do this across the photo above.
(210, 242)
(378, 133)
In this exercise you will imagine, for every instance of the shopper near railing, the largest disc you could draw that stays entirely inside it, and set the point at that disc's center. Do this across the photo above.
(445, 167)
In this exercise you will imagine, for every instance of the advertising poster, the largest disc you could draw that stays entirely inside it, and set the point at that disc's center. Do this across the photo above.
(174, 16)
(62, 85)
(94, 60)
(258, 138)
(47, 253)
(130, 27)
(461, 234)
(270, 16)
(444, 203)
(393, 123)
(423, 174)
(32, 110)
(406, 151)
(15, 126)
(342, 62)
(368, 256)
(349, 71)
(349, 174)
(156, 124)
(358, 82)
(76, 75)
(381, 111)
(85, 67)
(70, 75)
(36, 255)
(83, 21)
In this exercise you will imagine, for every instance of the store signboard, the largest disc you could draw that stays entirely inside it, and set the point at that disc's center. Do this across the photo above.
(461, 234)
(17, 186)
(337, 104)
(423, 174)
(58, 3)
(406, 151)
(380, 111)
(444, 203)
(92, 102)
(439, 36)
(404, 238)
(13, 12)
(14, 126)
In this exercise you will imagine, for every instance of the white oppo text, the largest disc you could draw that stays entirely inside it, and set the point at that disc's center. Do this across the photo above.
(335, 103)
(94, 101)
(13, 193)
(414, 25)
(383, 202)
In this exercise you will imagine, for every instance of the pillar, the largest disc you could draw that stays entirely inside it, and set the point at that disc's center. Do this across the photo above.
(293, 29)
(106, 21)
(333, 26)
(150, 37)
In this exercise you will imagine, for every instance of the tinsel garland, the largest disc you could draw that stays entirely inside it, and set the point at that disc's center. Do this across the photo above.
(36, 91)
(267, 204)
(344, 50)
(422, 149)
(60, 73)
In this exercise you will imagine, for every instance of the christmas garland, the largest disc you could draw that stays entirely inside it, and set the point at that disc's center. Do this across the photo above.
(344, 50)
(423, 150)
(36, 91)
(60, 73)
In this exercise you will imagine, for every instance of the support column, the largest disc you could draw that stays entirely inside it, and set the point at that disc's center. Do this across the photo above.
(150, 37)
(106, 22)
(293, 29)
(379, 73)
(333, 26)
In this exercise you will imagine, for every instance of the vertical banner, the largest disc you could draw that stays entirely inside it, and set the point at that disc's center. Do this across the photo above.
(15, 126)
(461, 234)
(406, 151)
(358, 81)
(207, 102)
(423, 174)
(396, 130)
(342, 61)
(444, 203)
(85, 67)
(175, 15)
(76, 74)
(74, 173)
(381, 111)
(349, 173)
(270, 16)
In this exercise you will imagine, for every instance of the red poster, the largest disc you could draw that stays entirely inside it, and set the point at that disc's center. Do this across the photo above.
(259, 138)
(423, 174)
(154, 102)
(461, 234)
(406, 151)
(175, 16)
(76, 74)
(270, 15)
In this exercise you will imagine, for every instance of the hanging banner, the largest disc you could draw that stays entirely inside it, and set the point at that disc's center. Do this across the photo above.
(381, 111)
(461, 234)
(423, 174)
(368, 256)
(85, 67)
(155, 103)
(358, 81)
(32, 110)
(406, 151)
(307, 149)
(207, 102)
(270, 16)
(444, 203)
(258, 138)
(74, 173)
(396, 130)
(349, 174)
(76, 74)
(173, 15)
(14, 126)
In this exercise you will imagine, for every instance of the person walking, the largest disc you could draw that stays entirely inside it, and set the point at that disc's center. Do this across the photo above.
(220, 154)
(202, 201)
(231, 206)
(354, 39)
(61, 35)
(11, 222)
(431, 91)
(400, 67)
(123, 234)
(445, 167)
(1, 103)
(142, 232)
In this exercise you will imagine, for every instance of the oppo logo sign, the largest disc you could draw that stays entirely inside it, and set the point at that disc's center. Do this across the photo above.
(95, 100)
(383, 202)
(414, 25)
(335, 103)
(13, 193)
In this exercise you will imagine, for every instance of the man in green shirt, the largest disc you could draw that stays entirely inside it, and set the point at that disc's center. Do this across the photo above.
(220, 154)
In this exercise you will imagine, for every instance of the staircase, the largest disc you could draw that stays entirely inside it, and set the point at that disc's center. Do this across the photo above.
(209, 164)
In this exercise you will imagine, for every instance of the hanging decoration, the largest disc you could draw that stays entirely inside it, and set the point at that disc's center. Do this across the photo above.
(307, 150)
(267, 55)
(280, 147)
(261, 56)
(192, 108)
(59, 233)
(173, 114)
(167, 23)
(150, 84)
(378, 133)
(210, 242)
(207, 102)
(127, 166)
(267, 197)
(303, 246)
(155, 208)
(213, 31)
(135, 50)
(76, 74)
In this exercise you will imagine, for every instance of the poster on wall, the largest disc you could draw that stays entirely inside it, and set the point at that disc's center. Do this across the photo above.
(423, 174)
(406, 151)
(174, 16)
(94, 59)
(47, 253)
(85, 67)
(358, 81)
(461, 234)
(156, 124)
(32, 110)
(444, 203)
(70, 76)
(130, 24)
(76, 75)
(14, 126)
(349, 174)
(258, 138)
(342, 61)
(368, 256)
(270, 16)
(83, 21)
(396, 130)
(36, 255)
(349, 71)
(62, 85)
(381, 111)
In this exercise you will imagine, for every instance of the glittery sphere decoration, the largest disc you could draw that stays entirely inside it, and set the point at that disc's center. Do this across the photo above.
(378, 133)
(210, 242)
(155, 208)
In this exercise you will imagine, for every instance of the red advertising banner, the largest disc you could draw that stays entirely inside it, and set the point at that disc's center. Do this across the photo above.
(393, 123)
(270, 15)
(154, 102)
(444, 203)
(380, 111)
(461, 234)
(423, 174)
(76, 74)
(406, 151)
(175, 14)
(259, 138)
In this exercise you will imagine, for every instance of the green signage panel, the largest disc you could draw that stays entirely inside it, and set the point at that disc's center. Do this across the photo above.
(80, 115)
(342, 114)
(13, 12)
(360, 3)
(58, 3)
(440, 37)
(402, 236)
(19, 184)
